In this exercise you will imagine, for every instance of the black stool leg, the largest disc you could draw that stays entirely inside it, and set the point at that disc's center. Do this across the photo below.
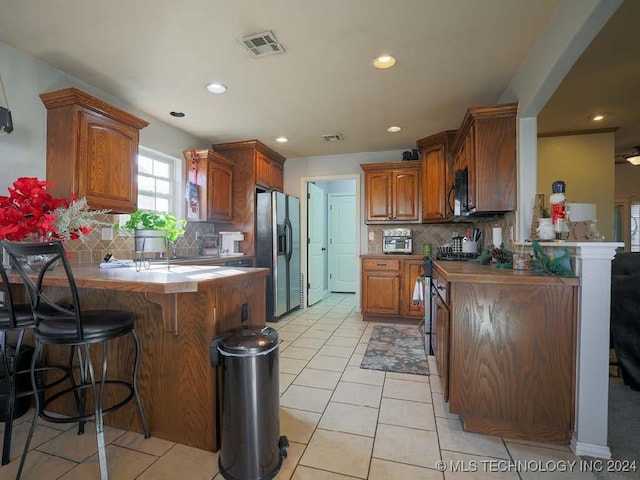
(11, 375)
(98, 396)
(37, 352)
(145, 427)
(10, 378)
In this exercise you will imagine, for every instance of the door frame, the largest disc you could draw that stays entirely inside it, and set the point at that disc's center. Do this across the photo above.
(303, 227)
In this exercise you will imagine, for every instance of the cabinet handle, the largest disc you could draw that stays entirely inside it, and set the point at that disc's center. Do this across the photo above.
(381, 264)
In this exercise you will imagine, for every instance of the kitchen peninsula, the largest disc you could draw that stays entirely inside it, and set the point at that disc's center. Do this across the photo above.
(505, 347)
(178, 311)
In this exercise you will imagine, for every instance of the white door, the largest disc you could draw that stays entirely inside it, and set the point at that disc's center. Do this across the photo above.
(343, 261)
(316, 250)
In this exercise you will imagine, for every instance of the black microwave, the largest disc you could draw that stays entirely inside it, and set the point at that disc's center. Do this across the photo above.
(461, 189)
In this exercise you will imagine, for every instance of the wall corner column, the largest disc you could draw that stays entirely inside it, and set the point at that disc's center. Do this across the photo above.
(593, 266)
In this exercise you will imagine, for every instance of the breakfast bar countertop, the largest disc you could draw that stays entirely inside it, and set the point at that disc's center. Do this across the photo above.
(157, 279)
(456, 271)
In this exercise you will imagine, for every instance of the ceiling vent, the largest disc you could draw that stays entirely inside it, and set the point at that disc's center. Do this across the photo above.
(261, 44)
(333, 137)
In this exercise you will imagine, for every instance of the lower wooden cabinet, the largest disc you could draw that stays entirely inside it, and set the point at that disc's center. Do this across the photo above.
(388, 283)
(506, 353)
(440, 329)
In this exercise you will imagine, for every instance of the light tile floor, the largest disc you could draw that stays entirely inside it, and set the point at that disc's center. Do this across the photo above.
(342, 422)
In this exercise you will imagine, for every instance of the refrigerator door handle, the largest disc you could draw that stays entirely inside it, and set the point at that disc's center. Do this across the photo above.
(288, 229)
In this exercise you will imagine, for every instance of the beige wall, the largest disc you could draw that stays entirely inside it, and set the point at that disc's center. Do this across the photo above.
(586, 164)
(628, 181)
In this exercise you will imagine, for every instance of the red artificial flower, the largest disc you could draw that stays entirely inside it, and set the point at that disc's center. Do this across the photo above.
(28, 210)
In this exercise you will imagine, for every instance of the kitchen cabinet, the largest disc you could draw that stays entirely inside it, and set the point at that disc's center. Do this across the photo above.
(387, 286)
(512, 350)
(486, 147)
(265, 166)
(92, 150)
(437, 176)
(440, 329)
(411, 270)
(392, 192)
(381, 287)
(254, 166)
(269, 173)
(213, 175)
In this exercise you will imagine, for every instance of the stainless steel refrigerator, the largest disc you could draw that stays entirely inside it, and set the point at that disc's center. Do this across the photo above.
(278, 248)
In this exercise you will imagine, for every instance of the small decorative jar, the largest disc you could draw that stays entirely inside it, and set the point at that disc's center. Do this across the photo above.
(545, 229)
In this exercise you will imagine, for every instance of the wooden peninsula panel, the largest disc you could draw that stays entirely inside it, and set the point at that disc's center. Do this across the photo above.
(178, 386)
(512, 351)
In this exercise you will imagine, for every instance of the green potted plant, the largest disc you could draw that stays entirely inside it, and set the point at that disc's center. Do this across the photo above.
(152, 230)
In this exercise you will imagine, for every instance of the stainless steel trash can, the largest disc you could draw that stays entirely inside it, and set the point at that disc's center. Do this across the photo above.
(251, 447)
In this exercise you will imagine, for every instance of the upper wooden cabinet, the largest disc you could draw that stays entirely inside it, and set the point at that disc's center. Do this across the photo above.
(266, 165)
(392, 192)
(213, 175)
(92, 150)
(437, 176)
(486, 147)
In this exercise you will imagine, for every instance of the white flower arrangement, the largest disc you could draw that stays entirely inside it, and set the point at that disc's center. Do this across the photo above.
(76, 220)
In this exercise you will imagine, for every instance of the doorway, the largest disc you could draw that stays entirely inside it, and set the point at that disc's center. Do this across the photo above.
(331, 213)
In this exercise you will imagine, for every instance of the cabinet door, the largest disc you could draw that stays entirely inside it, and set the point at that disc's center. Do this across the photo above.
(411, 270)
(219, 182)
(513, 359)
(107, 163)
(442, 348)
(381, 293)
(469, 147)
(263, 170)
(434, 191)
(406, 191)
(277, 177)
(378, 196)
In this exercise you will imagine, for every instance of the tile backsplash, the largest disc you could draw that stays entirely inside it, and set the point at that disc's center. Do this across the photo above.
(92, 249)
(439, 234)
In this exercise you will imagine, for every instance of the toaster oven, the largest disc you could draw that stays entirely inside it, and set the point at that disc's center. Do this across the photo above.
(397, 240)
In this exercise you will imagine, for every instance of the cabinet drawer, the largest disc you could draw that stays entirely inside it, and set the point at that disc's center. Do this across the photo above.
(381, 264)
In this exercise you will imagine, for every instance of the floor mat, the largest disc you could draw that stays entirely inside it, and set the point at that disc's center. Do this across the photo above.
(396, 349)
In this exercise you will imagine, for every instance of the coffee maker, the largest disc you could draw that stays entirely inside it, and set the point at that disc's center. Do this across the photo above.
(229, 244)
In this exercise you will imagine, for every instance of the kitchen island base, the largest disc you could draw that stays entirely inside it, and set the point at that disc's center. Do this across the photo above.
(510, 350)
(179, 388)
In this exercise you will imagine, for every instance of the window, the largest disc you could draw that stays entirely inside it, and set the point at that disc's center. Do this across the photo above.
(635, 227)
(156, 181)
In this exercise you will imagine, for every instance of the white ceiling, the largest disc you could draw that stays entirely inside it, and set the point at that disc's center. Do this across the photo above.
(157, 56)
(606, 78)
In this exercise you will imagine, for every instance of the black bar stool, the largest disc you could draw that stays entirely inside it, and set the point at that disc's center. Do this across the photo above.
(16, 320)
(69, 325)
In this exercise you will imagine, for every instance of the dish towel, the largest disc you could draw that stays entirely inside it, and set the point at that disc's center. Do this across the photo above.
(418, 292)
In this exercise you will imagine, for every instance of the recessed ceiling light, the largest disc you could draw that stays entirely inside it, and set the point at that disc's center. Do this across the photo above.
(384, 61)
(394, 129)
(215, 87)
(282, 139)
(598, 117)
(176, 114)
